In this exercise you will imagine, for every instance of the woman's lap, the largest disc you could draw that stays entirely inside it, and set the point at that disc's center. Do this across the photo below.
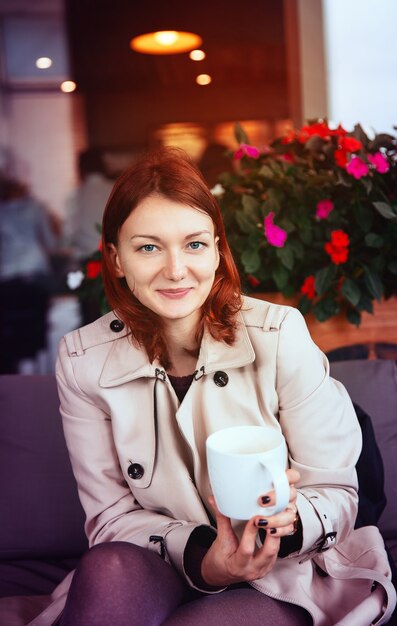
(238, 607)
(125, 585)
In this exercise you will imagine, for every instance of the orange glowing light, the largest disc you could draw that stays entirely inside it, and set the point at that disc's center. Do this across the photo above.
(203, 79)
(165, 42)
(197, 55)
(68, 86)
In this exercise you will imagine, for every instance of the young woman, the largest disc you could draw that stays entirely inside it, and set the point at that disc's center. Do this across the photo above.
(181, 356)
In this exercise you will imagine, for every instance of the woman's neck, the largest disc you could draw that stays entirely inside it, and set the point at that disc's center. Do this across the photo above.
(182, 348)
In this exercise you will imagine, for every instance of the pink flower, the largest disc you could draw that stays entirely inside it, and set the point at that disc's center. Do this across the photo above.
(324, 208)
(275, 235)
(357, 168)
(246, 150)
(379, 161)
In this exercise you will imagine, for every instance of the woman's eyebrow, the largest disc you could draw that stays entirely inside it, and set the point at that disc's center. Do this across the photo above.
(155, 238)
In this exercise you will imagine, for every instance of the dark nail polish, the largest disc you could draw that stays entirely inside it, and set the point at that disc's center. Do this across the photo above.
(262, 522)
(273, 531)
(265, 499)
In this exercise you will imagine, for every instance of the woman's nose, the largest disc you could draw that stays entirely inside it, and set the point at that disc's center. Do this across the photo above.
(175, 268)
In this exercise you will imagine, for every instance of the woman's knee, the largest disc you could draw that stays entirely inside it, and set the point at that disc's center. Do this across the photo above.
(123, 561)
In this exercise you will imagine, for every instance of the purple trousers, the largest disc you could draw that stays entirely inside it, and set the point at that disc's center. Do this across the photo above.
(120, 584)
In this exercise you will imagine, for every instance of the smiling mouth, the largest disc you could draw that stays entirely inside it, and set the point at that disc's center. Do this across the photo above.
(174, 293)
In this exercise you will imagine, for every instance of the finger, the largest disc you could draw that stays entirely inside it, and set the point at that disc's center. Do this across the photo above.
(279, 525)
(269, 499)
(293, 476)
(248, 545)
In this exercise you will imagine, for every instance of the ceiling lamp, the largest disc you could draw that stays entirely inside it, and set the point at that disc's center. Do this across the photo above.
(197, 55)
(165, 42)
(203, 79)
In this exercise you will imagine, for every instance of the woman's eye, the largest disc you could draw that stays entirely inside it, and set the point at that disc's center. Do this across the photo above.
(196, 245)
(148, 247)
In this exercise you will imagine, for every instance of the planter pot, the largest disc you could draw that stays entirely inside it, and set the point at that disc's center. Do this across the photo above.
(337, 332)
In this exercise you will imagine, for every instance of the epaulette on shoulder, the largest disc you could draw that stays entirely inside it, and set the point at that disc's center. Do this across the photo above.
(104, 330)
(263, 314)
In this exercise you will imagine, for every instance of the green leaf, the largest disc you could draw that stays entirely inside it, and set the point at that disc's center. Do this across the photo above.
(245, 223)
(354, 317)
(286, 257)
(373, 282)
(266, 172)
(304, 305)
(392, 267)
(296, 247)
(326, 308)
(386, 210)
(367, 182)
(374, 241)
(364, 217)
(250, 206)
(280, 276)
(250, 260)
(365, 303)
(351, 291)
(240, 134)
(324, 278)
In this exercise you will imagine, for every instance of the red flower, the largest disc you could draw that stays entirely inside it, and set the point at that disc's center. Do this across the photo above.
(350, 144)
(253, 281)
(340, 157)
(339, 239)
(93, 269)
(337, 248)
(308, 288)
(289, 137)
(319, 129)
(338, 255)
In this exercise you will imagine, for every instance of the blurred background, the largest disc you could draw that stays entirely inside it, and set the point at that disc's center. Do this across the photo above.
(78, 103)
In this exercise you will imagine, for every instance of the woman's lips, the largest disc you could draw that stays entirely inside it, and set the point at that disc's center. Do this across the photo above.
(174, 294)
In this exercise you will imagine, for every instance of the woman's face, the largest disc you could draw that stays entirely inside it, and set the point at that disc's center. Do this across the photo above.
(168, 254)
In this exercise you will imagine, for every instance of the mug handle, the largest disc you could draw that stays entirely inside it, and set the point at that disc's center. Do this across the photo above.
(281, 487)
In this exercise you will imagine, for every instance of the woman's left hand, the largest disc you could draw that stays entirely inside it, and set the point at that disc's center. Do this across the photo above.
(284, 523)
(231, 561)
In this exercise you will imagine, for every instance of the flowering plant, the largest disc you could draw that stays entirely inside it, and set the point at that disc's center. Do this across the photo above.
(88, 283)
(315, 215)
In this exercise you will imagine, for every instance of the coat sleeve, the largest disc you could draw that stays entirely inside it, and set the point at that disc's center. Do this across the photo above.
(323, 436)
(112, 512)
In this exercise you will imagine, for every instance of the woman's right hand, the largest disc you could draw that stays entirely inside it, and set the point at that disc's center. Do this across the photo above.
(229, 561)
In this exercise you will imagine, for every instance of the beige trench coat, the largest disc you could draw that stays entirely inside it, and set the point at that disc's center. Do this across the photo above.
(120, 410)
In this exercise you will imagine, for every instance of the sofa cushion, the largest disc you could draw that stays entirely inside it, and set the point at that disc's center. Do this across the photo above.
(373, 386)
(41, 514)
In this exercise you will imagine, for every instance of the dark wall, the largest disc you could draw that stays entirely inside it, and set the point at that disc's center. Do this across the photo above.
(129, 94)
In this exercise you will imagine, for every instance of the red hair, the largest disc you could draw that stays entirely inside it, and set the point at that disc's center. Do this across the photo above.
(171, 173)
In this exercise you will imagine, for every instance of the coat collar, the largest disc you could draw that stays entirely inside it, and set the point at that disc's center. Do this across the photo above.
(126, 362)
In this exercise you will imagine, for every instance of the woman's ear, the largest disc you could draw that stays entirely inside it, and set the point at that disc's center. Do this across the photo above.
(114, 256)
(217, 251)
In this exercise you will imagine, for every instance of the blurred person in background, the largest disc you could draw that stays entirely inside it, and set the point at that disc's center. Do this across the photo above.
(27, 240)
(84, 208)
(85, 205)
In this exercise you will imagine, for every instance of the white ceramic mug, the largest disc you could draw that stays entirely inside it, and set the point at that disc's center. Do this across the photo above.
(244, 463)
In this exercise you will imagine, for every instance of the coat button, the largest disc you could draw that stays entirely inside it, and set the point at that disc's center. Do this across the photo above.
(221, 379)
(116, 326)
(135, 471)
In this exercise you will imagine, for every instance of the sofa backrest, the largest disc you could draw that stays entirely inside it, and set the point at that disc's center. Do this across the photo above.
(41, 515)
(373, 386)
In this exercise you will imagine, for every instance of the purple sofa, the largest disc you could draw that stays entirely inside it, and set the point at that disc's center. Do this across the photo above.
(42, 521)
